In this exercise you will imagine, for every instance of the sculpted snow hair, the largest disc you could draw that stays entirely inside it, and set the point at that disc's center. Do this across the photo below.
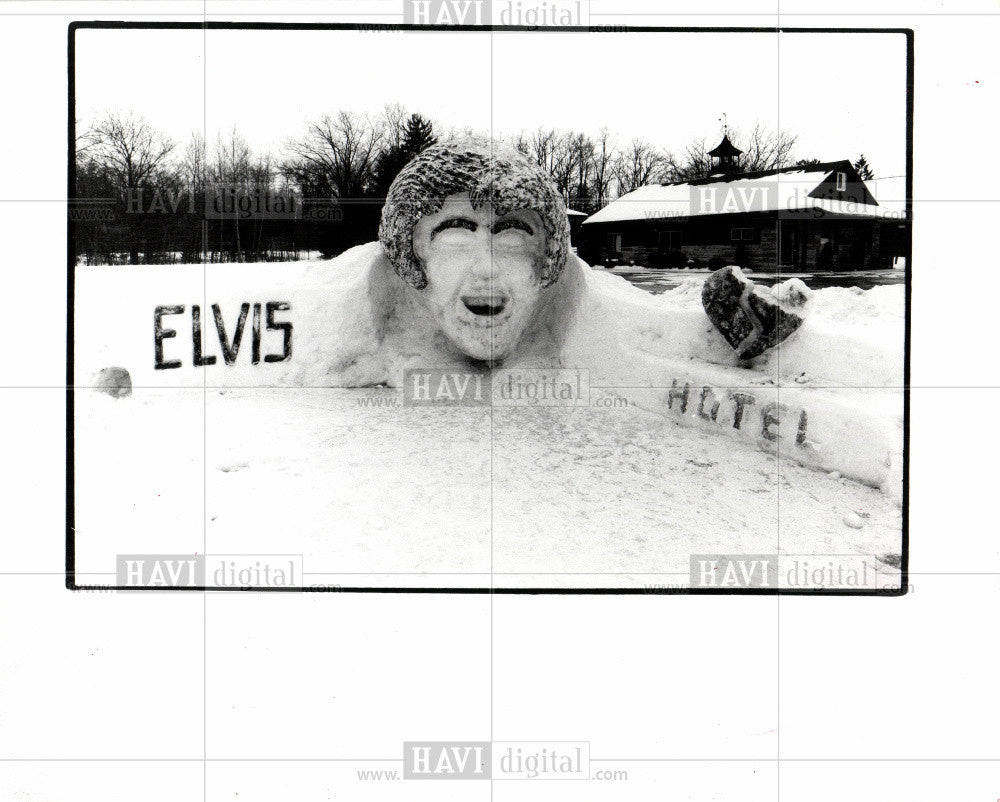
(490, 173)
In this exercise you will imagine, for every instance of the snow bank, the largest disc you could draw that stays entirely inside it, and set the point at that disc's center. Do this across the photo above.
(830, 396)
(851, 337)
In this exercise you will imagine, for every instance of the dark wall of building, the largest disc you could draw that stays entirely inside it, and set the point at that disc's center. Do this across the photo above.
(761, 242)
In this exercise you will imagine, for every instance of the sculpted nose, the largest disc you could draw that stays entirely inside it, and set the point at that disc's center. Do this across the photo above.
(484, 260)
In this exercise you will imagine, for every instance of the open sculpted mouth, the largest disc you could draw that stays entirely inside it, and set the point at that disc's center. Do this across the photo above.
(484, 305)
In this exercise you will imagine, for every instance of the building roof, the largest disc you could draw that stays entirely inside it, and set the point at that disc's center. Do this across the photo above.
(575, 213)
(788, 189)
(725, 148)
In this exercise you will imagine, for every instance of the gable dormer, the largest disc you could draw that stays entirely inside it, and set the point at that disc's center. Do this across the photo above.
(843, 183)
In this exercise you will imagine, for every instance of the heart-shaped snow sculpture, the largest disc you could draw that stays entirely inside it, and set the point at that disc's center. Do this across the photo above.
(753, 318)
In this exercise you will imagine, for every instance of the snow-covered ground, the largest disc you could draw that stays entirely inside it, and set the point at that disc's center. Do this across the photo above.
(288, 458)
(372, 493)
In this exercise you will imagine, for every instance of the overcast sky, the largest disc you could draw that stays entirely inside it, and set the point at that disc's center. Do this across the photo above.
(841, 94)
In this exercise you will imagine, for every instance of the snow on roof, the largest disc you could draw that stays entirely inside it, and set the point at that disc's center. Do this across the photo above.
(575, 213)
(784, 190)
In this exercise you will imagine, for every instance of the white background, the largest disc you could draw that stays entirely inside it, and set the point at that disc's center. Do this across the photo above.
(266, 697)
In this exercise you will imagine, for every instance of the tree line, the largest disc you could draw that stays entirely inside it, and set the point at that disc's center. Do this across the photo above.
(143, 198)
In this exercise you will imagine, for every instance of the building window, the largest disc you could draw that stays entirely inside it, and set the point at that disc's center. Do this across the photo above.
(638, 238)
(741, 234)
(841, 182)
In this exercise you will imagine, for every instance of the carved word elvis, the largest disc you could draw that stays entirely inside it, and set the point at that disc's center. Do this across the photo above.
(229, 343)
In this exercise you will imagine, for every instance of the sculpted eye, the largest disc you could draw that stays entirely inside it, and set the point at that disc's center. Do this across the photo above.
(512, 222)
(454, 222)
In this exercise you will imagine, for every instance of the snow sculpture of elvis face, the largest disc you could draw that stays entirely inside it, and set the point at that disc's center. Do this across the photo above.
(480, 233)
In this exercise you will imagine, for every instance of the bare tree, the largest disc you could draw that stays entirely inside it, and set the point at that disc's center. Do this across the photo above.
(562, 161)
(130, 148)
(764, 149)
(542, 145)
(693, 163)
(337, 155)
(231, 161)
(129, 155)
(230, 172)
(394, 116)
(85, 141)
(603, 159)
(639, 165)
(193, 166)
(261, 174)
(583, 154)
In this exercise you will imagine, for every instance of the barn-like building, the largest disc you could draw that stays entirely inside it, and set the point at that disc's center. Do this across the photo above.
(811, 217)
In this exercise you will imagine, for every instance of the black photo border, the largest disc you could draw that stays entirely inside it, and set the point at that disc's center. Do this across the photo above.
(71, 582)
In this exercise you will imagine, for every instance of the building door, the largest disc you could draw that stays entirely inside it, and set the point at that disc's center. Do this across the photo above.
(789, 245)
(670, 241)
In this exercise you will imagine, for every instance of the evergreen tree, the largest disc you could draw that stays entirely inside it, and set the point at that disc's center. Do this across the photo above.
(417, 136)
(390, 161)
(864, 169)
